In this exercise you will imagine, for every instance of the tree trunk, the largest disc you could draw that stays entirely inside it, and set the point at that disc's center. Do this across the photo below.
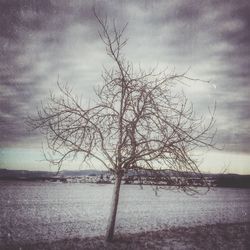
(115, 199)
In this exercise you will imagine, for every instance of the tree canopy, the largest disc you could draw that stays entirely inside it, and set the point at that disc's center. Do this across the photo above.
(138, 122)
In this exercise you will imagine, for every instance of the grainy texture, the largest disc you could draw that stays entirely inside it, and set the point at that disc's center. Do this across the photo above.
(218, 236)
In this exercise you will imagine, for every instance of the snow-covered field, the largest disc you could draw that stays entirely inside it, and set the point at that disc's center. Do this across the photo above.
(37, 211)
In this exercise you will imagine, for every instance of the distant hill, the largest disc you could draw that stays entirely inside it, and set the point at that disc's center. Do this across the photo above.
(233, 180)
(84, 172)
(7, 174)
(221, 180)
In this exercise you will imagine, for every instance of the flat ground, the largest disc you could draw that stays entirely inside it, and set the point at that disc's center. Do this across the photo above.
(218, 236)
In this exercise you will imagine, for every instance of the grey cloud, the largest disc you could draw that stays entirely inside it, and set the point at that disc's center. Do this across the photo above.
(234, 141)
(43, 39)
(33, 35)
(16, 94)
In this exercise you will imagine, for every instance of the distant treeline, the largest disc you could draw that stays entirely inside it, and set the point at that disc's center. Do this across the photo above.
(232, 180)
(220, 180)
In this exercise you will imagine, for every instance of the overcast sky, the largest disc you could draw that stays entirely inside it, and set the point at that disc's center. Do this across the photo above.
(46, 39)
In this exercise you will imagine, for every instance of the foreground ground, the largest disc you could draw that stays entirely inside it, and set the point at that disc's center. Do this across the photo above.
(218, 236)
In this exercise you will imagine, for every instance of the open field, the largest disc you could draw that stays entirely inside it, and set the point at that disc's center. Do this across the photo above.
(218, 236)
(57, 214)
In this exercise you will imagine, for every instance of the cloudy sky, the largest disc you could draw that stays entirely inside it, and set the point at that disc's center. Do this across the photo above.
(43, 40)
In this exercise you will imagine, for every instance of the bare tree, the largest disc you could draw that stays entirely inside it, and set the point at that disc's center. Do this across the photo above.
(139, 122)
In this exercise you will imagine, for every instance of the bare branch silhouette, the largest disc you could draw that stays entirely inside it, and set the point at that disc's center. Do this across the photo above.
(139, 123)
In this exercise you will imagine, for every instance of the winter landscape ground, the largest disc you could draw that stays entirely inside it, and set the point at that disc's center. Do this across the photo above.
(51, 215)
